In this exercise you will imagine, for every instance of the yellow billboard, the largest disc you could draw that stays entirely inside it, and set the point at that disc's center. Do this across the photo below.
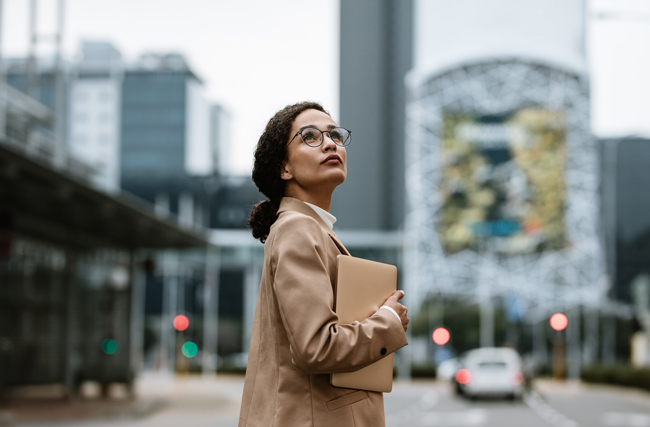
(503, 182)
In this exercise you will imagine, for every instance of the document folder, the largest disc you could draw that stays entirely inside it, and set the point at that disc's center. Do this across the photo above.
(362, 287)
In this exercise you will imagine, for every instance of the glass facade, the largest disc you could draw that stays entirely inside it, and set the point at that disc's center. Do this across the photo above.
(625, 207)
(58, 309)
(153, 124)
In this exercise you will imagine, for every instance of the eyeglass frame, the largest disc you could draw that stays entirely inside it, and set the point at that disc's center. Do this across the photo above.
(322, 137)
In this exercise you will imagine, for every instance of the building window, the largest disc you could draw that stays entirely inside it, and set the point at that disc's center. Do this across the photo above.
(105, 117)
(81, 96)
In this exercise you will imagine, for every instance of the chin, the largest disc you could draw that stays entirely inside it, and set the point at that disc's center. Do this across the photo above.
(340, 179)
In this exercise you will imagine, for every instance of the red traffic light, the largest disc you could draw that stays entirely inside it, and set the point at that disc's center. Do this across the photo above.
(441, 336)
(559, 321)
(181, 322)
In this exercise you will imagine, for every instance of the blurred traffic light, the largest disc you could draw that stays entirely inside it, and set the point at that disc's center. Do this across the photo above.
(181, 322)
(559, 321)
(441, 336)
(110, 346)
(190, 349)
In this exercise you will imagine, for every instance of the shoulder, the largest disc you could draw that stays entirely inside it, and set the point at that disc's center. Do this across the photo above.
(295, 223)
(295, 229)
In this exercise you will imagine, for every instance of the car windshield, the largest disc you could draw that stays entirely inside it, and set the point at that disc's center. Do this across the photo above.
(492, 365)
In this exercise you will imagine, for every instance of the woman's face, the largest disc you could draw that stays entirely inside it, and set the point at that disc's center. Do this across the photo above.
(314, 168)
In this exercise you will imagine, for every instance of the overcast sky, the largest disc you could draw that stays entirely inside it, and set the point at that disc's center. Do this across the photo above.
(255, 56)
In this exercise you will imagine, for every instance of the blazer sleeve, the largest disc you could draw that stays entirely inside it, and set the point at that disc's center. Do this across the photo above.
(303, 289)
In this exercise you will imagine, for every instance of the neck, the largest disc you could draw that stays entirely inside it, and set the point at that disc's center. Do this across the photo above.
(322, 198)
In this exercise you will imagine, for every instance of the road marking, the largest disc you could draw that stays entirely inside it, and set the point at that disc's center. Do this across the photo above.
(625, 419)
(405, 415)
(547, 412)
(472, 417)
(420, 413)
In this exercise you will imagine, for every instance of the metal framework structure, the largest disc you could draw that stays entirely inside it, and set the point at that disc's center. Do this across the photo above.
(545, 281)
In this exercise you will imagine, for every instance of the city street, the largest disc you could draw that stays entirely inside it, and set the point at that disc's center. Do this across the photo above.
(197, 402)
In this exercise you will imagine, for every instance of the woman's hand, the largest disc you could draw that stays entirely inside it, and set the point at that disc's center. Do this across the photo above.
(401, 311)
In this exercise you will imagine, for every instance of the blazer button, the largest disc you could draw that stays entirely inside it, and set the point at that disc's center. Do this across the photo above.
(383, 351)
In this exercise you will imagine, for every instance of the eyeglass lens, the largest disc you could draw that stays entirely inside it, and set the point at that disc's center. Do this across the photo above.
(314, 137)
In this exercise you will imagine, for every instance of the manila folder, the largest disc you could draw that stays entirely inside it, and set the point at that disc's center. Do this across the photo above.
(362, 286)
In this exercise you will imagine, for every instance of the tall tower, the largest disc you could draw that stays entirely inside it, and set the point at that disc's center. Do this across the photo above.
(376, 54)
(501, 167)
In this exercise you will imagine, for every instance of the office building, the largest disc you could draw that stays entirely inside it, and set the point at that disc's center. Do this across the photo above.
(165, 153)
(375, 55)
(95, 85)
(625, 163)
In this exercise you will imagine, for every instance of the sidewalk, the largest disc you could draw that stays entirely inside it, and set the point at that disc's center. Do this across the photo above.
(212, 399)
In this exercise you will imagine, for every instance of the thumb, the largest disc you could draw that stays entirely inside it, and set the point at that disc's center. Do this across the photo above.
(398, 295)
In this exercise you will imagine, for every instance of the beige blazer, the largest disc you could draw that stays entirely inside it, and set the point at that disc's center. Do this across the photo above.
(296, 342)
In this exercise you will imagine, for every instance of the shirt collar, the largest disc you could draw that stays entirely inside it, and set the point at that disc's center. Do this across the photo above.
(325, 216)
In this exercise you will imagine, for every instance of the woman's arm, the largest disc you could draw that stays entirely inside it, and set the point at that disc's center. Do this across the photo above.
(304, 293)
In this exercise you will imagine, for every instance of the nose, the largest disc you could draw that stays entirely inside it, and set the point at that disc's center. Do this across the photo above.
(328, 143)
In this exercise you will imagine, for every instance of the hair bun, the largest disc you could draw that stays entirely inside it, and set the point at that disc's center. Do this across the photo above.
(262, 218)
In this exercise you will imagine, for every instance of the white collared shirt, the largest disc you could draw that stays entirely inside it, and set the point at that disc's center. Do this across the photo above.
(330, 220)
(325, 216)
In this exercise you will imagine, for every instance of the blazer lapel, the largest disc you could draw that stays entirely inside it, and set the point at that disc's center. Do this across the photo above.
(338, 243)
(291, 204)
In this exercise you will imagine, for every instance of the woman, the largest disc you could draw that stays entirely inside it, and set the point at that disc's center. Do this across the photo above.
(296, 343)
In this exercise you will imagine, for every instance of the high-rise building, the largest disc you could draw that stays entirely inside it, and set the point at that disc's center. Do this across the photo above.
(376, 53)
(624, 212)
(165, 153)
(94, 111)
(220, 139)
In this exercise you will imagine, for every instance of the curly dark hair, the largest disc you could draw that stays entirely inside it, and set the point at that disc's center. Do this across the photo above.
(270, 153)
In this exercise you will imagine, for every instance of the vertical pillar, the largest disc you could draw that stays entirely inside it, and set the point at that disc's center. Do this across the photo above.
(31, 58)
(590, 353)
(167, 335)
(3, 95)
(59, 84)
(487, 317)
(70, 355)
(609, 340)
(138, 289)
(251, 288)
(540, 348)
(573, 353)
(211, 311)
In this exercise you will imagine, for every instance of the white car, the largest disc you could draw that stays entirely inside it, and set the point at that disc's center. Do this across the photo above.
(447, 369)
(490, 372)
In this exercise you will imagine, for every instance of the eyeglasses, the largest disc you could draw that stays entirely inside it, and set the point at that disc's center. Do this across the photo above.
(314, 137)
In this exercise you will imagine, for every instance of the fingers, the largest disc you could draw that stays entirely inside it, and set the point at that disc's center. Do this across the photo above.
(399, 295)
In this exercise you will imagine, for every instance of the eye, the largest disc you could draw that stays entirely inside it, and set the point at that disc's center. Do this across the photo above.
(335, 134)
(310, 135)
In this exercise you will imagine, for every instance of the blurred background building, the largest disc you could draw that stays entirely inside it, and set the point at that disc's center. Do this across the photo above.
(473, 169)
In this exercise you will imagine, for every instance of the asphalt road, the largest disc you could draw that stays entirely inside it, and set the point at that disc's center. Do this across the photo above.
(199, 402)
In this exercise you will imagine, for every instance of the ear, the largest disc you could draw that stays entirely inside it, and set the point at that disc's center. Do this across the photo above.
(285, 172)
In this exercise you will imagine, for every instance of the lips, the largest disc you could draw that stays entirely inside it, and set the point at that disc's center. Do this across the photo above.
(332, 158)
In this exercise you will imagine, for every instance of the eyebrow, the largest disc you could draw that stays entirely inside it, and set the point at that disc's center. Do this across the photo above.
(329, 127)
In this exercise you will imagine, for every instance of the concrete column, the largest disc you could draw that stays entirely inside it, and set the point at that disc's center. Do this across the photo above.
(540, 345)
(211, 311)
(573, 353)
(3, 95)
(138, 289)
(252, 279)
(487, 319)
(70, 355)
(167, 334)
(591, 341)
(609, 340)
